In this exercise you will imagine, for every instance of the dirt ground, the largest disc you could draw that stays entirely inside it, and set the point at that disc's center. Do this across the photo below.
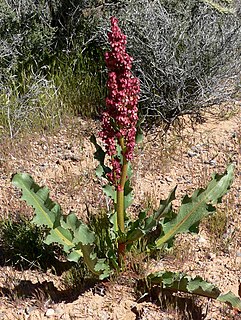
(186, 156)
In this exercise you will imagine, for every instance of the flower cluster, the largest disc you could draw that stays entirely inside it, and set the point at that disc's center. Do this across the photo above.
(120, 117)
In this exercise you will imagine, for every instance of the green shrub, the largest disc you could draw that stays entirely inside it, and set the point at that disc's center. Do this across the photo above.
(22, 244)
(186, 53)
(80, 83)
(186, 56)
(49, 65)
(30, 103)
(26, 34)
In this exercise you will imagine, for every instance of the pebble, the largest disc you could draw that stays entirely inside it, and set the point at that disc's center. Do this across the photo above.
(210, 162)
(50, 312)
(192, 154)
(30, 309)
(202, 239)
(211, 256)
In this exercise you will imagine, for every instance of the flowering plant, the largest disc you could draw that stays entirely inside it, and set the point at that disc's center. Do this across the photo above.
(120, 118)
(103, 249)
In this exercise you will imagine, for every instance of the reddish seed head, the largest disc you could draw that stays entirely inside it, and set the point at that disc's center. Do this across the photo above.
(120, 117)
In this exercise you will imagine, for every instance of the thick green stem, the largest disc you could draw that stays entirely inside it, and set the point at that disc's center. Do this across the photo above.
(120, 191)
(120, 210)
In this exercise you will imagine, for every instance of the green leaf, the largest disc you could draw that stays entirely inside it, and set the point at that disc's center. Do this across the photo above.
(144, 225)
(99, 171)
(102, 266)
(47, 212)
(195, 208)
(81, 232)
(75, 237)
(230, 299)
(128, 194)
(180, 282)
(99, 155)
(84, 235)
(113, 222)
(134, 235)
(140, 227)
(110, 192)
(70, 221)
(139, 137)
(60, 237)
(75, 255)
(165, 207)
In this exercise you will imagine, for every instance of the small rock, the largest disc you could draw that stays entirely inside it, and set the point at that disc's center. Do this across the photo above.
(50, 312)
(210, 162)
(100, 290)
(30, 309)
(211, 256)
(68, 146)
(192, 154)
(202, 239)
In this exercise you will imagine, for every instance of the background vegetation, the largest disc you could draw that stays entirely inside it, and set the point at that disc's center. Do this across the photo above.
(22, 245)
(186, 54)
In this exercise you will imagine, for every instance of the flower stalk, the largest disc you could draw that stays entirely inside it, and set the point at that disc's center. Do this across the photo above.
(121, 189)
(120, 117)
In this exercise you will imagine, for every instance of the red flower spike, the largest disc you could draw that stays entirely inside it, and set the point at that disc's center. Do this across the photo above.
(120, 117)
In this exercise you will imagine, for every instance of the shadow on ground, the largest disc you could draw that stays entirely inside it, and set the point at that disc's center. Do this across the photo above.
(44, 291)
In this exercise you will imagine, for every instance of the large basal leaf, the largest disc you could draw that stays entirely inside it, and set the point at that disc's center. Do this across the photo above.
(180, 282)
(137, 228)
(47, 212)
(75, 237)
(165, 207)
(195, 208)
(144, 224)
